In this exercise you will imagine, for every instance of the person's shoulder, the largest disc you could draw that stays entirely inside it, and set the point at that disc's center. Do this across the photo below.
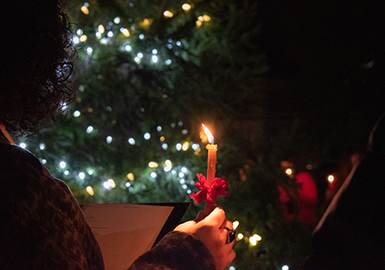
(13, 155)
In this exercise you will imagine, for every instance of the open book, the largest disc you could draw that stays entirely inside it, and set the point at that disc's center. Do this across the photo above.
(125, 231)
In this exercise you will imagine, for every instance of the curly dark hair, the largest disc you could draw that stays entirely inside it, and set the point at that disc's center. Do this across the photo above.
(36, 62)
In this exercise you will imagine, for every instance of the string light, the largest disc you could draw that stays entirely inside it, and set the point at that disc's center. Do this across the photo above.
(128, 48)
(168, 14)
(154, 58)
(168, 165)
(178, 146)
(101, 29)
(75, 40)
(82, 175)
(330, 178)
(152, 164)
(125, 32)
(62, 164)
(185, 146)
(254, 239)
(85, 10)
(153, 174)
(109, 139)
(130, 176)
(89, 129)
(186, 7)
(90, 190)
(147, 136)
(42, 146)
(89, 50)
(235, 224)
(83, 38)
(117, 20)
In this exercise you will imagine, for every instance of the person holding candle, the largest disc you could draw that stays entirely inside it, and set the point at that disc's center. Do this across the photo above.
(41, 224)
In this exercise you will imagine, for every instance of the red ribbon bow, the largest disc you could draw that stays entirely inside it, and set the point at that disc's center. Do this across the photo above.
(209, 193)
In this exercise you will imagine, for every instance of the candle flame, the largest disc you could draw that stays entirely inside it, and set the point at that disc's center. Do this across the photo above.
(210, 137)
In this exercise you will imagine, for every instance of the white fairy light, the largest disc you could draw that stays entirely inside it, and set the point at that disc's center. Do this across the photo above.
(117, 20)
(147, 136)
(159, 128)
(110, 34)
(66, 172)
(195, 146)
(82, 175)
(75, 40)
(42, 146)
(137, 60)
(178, 146)
(131, 141)
(182, 181)
(285, 267)
(128, 184)
(76, 114)
(62, 164)
(164, 146)
(79, 32)
(141, 36)
(23, 145)
(89, 50)
(154, 51)
(184, 169)
(104, 41)
(89, 129)
(178, 43)
(128, 48)
(184, 186)
(154, 58)
(140, 55)
(181, 174)
(153, 174)
(109, 139)
(168, 62)
(43, 161)
(111, 182)
(90, 172)
(235, 224)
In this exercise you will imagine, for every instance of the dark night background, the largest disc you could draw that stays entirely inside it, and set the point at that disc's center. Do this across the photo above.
(327, 67)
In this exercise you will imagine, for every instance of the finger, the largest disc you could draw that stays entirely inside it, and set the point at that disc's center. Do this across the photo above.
(186, 226)
(216, 217)
(229, 225)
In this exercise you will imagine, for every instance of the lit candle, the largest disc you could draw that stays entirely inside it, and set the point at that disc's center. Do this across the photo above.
(212, 156)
